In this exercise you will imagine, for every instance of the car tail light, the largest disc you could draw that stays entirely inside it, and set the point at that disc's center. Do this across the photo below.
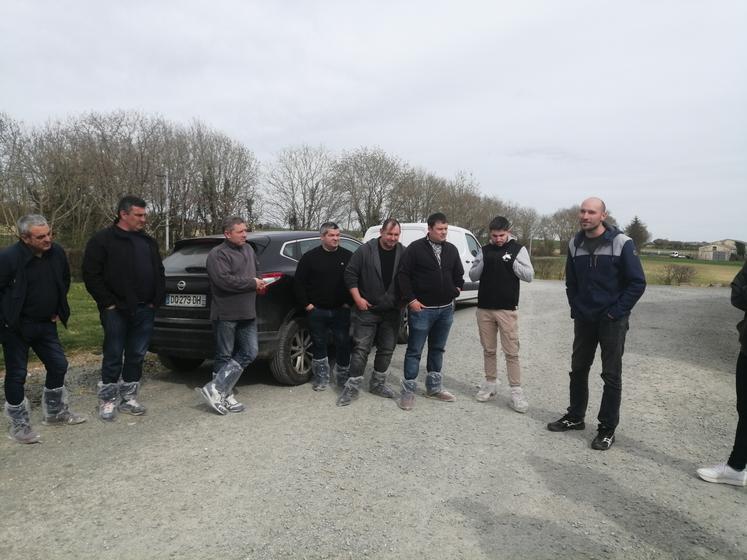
(270, 278)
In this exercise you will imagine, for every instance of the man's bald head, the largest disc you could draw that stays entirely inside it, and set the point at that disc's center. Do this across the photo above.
(597, 202)
(591, 216)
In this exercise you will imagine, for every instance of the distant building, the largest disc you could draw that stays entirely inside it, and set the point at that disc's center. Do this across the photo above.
(721, 250)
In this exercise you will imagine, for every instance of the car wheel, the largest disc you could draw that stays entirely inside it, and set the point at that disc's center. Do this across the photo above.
(404, 331)
(291, 364)
(176, 363)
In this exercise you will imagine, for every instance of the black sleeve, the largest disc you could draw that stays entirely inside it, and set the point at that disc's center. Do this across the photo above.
(739, 289)
(300, 280)
(94, 263)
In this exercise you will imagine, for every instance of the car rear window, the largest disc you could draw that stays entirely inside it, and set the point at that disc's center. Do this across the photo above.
(192, 257)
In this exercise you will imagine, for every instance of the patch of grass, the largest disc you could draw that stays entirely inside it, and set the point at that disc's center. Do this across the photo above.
(83, 333)
(707, 273)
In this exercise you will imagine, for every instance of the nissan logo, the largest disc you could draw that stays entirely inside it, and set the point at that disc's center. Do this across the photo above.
(180, 285)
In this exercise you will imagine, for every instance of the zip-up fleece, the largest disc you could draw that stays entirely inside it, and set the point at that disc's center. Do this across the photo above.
(739, 300)
(421, 276)
(364, 272)
(13, 282)
(606, 283)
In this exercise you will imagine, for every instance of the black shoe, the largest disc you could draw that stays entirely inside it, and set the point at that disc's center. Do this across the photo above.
(566, 423)
(604, 440)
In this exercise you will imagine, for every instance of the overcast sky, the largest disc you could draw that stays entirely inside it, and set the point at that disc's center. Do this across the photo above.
(643, 103)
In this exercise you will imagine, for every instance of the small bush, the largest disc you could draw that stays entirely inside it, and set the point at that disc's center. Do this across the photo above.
(549, 268)
(675, 274)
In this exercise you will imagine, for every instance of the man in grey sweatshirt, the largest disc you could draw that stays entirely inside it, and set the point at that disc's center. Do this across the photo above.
(233, 271)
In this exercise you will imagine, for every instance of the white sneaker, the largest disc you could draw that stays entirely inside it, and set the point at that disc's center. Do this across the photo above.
(213, 398)
(233, 405)
(488, 390)
(518, 400)
(723, 474)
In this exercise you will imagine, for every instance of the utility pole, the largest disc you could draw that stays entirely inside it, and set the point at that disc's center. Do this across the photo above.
(167, 208)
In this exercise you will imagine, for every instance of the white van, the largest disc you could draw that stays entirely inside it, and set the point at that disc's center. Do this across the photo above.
(463, 239)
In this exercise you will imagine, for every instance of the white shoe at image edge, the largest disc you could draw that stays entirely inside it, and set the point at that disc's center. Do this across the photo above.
(723, 474)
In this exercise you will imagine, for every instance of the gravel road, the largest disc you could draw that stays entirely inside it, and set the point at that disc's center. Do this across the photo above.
(297, 477)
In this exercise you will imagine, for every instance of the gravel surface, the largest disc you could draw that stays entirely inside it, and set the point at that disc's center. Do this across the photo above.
(297, 477)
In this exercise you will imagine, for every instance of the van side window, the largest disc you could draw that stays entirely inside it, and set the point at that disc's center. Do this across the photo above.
(474, 246)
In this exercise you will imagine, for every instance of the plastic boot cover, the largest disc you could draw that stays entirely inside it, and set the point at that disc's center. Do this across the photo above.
(350, 391)
(20, 426)
(320, 374)
(227, 376)
(407, 396)
(108, 395)
(433, 382)
(128, 390)
(342, 374)
(378, 386)
(230, 402)
(55, 408)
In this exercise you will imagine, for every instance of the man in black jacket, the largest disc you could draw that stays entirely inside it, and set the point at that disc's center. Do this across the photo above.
(376, 316)
(733, 471)
(123, 272)
(319, 286)
(430, 277)
(34, 281)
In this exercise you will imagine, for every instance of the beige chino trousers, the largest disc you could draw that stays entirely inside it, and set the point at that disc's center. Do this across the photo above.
(491, 323)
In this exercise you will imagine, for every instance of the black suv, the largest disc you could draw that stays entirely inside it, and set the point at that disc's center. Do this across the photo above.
(183, 336)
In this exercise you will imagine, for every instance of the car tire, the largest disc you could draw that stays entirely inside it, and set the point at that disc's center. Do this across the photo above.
(404, 331)
(175, 363)
(291, 364)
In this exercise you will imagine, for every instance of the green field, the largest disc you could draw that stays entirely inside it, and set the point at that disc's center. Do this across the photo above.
(706, 273)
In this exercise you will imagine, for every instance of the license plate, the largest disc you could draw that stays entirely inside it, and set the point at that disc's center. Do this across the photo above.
(186, 300)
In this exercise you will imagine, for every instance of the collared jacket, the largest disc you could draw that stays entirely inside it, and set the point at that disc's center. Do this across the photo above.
(421, 276)
(739, 300)
(364, 272)
(233, 270)
(108, 270)
(13, 282)
(608, 282)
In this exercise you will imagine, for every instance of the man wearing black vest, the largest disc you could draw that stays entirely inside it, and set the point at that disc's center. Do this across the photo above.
(499, 267)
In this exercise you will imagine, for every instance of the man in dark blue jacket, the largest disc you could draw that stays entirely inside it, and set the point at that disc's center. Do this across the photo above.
(604, 280)
(34, 281)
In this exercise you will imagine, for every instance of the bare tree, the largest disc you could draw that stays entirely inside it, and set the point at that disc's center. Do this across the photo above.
(366, 178)
(299, 188)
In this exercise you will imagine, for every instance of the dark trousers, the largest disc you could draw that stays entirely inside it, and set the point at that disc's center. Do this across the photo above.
(738, 457)
(43, 340)
(369, 328)
(610, 336)
(321, 322)
(126, 339)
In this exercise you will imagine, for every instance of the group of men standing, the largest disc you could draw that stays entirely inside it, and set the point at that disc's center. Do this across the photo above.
(358, 299)
(123, 273)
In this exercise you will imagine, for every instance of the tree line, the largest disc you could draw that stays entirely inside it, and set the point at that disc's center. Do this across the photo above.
(74, 170)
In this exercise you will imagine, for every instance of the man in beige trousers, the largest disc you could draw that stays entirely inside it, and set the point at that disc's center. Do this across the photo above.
(499, 267)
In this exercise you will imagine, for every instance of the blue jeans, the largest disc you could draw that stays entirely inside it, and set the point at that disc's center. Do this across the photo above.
(125, 336)
(235, 340)
(43, 339)
(321, 321)
(433, 325)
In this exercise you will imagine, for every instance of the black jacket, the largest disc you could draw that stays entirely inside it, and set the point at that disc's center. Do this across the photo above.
(364, 272)
(420, 276)
(739, 300)
(108, 270)
(13, 282)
